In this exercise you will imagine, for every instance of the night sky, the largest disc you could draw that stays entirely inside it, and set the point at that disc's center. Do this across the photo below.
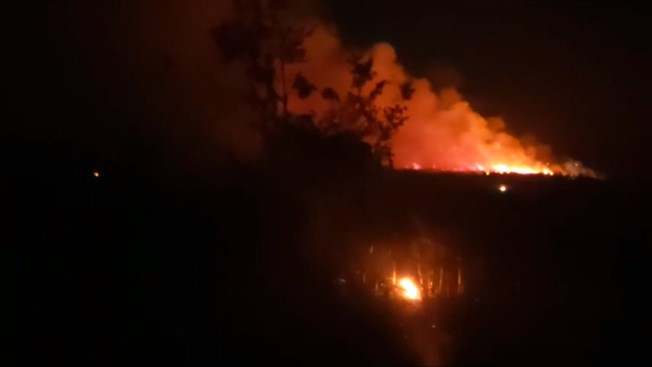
(574, 75)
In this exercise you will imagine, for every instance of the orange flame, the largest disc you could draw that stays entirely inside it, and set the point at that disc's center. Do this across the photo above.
(501, 169)
(409, 289)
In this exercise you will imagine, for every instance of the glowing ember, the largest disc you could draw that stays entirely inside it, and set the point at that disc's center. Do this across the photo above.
(409, 290)
(96, 174)
(502, 188)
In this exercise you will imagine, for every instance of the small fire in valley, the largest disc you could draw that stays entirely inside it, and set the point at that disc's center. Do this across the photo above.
(410, 290)
(420, 269)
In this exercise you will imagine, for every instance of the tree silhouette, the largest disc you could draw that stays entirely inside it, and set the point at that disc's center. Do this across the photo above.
(360, 114)
(303, 87)
(263, 37)
(266, 40)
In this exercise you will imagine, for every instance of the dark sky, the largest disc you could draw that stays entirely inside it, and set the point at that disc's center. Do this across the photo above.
(575, 75)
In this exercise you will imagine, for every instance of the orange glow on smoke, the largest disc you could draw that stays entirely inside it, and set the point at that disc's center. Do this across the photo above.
(409, 289)
(443, 131)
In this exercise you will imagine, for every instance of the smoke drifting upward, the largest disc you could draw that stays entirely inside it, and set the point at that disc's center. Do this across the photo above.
(443, 132)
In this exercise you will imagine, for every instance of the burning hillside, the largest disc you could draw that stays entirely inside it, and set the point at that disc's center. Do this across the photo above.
(442, 131)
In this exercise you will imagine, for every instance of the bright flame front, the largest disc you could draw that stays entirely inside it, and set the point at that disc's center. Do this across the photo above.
(521, 170)
(501, 169)
(409, 289)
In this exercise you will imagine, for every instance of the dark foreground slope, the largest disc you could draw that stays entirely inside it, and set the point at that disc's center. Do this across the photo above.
(557, 268)
(129, 267)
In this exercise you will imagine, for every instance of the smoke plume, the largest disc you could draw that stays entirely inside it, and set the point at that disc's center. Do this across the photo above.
(443, 131)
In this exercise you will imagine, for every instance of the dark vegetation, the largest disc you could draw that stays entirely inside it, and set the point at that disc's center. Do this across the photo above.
(124, 269)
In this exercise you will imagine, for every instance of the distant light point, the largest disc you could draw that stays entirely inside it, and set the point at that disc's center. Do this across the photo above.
(96, 174)
(502, 188)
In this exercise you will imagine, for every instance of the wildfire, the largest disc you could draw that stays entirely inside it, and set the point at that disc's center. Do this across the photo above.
(409, 290)
(501, 169)
(442, 133)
